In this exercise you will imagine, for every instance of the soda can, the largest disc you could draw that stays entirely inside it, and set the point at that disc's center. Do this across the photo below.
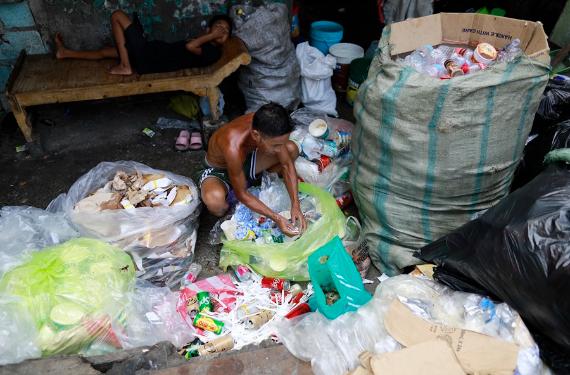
(208, 324)
(323, 162)
(301, 309)
(192, 307)
(259, 319)
(275, 283)
(279, 297)
(204, 302)
(219, 345)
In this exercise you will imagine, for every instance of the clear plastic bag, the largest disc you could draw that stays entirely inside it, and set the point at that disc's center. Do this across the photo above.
(26, 229)
(72, 292)
(333, 346)
(143, 231)
(18, 332)
(151, 317)
(273, 193)
(289, 260)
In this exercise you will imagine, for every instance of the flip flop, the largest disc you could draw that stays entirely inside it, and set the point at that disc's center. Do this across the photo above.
(195, 141)
(183, 141)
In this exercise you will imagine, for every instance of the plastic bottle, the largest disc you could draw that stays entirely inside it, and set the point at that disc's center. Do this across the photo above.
(192, 274)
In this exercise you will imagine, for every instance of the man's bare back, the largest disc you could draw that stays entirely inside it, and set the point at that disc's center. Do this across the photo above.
(230, 140)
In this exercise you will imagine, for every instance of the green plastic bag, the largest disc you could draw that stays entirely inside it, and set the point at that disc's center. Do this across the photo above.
(185, 105)
(332, 269)
(73, 291)
(289, 260)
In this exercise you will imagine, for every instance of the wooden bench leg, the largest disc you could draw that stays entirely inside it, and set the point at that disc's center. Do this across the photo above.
(23, 121)
(213, 98)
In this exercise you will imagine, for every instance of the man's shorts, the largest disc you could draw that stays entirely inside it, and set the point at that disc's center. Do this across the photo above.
(222, 174)
(136, 42)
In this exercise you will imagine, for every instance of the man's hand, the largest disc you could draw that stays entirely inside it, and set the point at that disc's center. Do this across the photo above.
(298, 219)
(286, 227)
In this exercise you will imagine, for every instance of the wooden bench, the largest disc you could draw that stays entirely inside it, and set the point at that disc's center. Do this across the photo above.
(42, 79)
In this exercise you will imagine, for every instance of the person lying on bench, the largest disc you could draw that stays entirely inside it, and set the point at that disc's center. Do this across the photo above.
(136, 54)
(237, 154)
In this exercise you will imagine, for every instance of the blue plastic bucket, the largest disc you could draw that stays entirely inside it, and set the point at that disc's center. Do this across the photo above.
(324, 34)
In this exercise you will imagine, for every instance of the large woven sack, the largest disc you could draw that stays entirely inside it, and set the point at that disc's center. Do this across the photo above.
(429, 153)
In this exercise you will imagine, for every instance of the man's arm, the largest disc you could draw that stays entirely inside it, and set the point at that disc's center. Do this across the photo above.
(195, 45)
(239, 184)
(291, 182)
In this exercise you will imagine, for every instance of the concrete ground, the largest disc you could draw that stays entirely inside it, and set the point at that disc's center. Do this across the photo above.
(76, 137)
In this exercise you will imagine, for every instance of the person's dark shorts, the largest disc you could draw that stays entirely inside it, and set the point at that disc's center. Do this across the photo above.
(221, 174)
(136, 42)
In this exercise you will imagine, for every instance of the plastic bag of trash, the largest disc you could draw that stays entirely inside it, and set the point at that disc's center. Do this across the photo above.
(27, 229)
(289, 260)
(72, 292)
(518, 252)
(333, 346)
(151, 317)
(316, 72)
(163, 229)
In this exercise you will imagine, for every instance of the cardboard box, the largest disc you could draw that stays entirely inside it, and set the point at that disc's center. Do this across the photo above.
(469, 29)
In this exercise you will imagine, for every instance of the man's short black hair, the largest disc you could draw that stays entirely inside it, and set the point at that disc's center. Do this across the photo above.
(272, 120)
(221, 17)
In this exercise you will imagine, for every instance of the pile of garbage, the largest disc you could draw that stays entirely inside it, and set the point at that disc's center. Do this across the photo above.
(409, 323)
(325, 159)
(131, 190)
(153, 214)
(446, 61)
(245, 224)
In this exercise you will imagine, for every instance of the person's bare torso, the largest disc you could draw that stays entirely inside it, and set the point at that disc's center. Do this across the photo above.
(231, 140)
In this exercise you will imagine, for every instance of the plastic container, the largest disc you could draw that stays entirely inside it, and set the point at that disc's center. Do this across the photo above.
(484, 54)
(319, 129)
(324, 34)
(358, 72)
(344, 53)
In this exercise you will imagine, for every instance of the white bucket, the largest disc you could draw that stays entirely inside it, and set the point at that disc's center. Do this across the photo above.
(344, 54)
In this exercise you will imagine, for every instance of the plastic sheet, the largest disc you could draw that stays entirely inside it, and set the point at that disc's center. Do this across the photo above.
(163, 232)
(518, 252)
(333, 346)
(72, 292)
(289, 260)
(27, 229)
(151, 317)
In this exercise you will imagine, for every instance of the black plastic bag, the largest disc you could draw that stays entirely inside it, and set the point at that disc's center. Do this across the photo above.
(531, 165)
(519, 252)
(555, 103)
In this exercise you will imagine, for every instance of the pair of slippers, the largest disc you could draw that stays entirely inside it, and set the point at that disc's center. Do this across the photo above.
(187, 141)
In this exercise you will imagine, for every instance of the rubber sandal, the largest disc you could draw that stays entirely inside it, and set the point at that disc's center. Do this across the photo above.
(183, 141)
(195, 141)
